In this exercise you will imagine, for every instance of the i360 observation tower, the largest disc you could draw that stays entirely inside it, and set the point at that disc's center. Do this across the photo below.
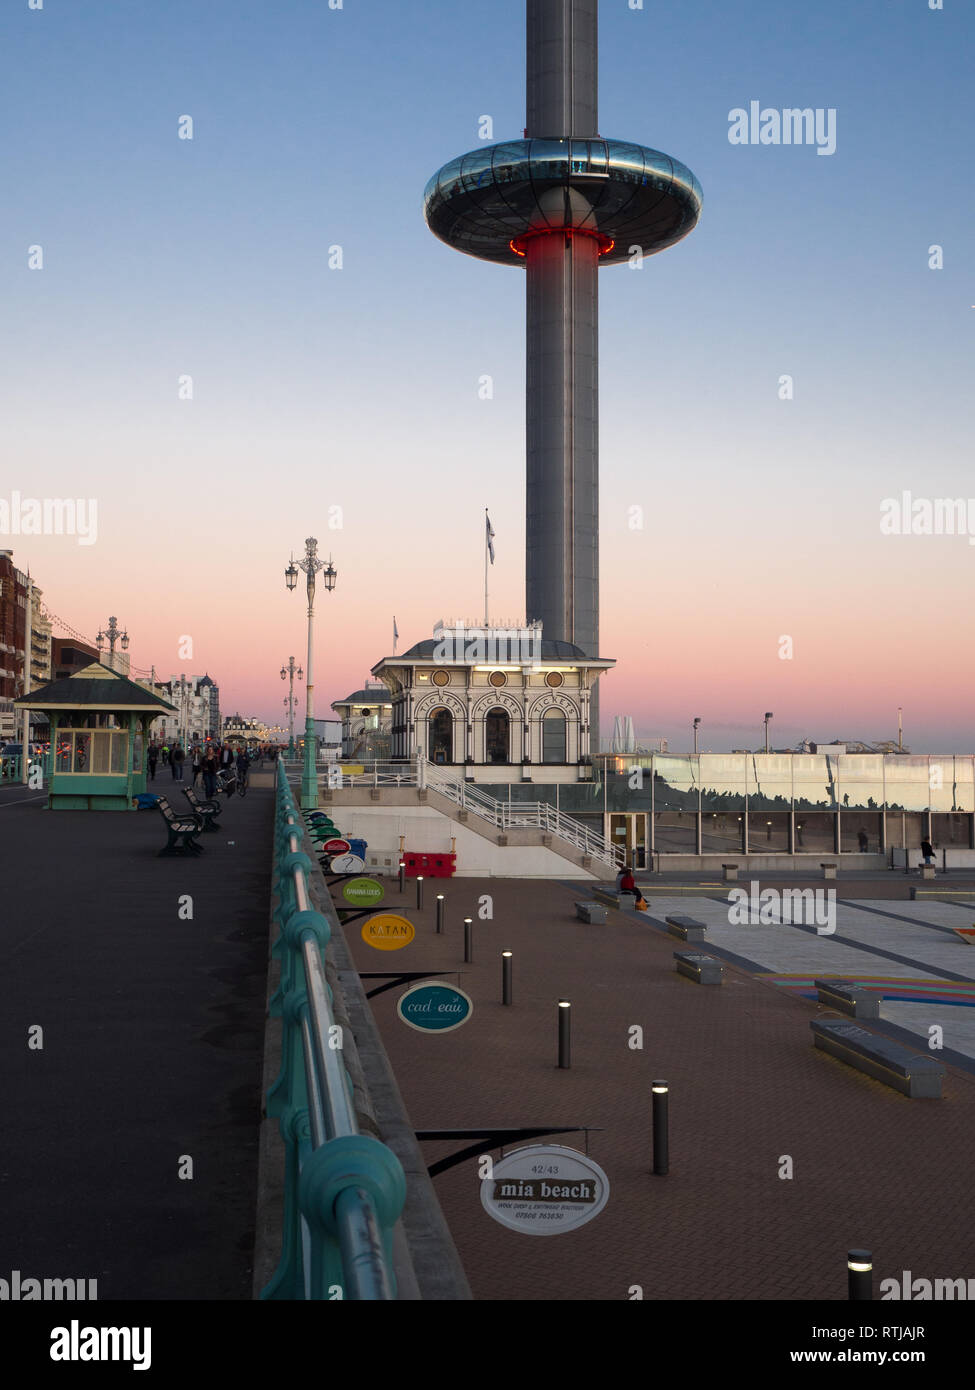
(559, 203)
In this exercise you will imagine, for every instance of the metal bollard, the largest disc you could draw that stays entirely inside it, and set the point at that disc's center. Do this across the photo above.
(419, 891)
(440, 914)
(565, 1032)
(859, 1277)
(505, 977)
(402, 876)
(468, 940)
(661, 1129)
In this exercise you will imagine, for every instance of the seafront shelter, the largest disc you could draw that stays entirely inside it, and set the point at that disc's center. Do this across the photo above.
(99, 723)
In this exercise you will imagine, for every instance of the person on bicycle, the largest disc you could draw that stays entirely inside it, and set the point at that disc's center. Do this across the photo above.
(242, 765)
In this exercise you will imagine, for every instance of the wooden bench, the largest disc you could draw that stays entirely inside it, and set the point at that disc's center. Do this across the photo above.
(849, 997)
(703, 970)
(730, 873)
(183, 830)
(207, 810)
(593, 913)
(829, 870)
(687, 928)
(911, 1073)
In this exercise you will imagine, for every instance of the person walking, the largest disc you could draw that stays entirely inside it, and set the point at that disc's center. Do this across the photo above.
(209, 766)
(176, 758)
(927, 849)
(242, 764)
(197, 763)
(165, 754)
(152, 757)
(226, 757)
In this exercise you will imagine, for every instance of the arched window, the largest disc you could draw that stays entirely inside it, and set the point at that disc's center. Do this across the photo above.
(441, 742)
(553, 737)
(497, 736)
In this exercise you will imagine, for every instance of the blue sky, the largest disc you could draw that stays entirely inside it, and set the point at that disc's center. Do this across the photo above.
(357, 388)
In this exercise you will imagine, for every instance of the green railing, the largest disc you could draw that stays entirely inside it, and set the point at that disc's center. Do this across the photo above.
(344, 1191)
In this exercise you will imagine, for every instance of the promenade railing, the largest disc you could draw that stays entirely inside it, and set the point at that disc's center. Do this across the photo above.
(344, 1191)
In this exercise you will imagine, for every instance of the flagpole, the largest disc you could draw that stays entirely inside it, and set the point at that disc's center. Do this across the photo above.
(486, 534)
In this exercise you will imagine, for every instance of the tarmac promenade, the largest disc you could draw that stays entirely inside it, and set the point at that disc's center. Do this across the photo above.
(152, 1046)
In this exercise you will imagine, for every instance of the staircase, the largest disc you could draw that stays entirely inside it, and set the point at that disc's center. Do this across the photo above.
(520, 822)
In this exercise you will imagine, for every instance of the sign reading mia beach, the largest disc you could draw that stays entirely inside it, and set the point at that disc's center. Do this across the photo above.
(363, 892)
(434, 1008)
(387, 931)
(544, 1190)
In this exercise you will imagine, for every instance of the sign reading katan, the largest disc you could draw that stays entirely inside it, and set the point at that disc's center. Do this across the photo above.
(346, 864)
(387, 931)
(336, 847)
(544, 1190)
(363, 892)
(434, 1008)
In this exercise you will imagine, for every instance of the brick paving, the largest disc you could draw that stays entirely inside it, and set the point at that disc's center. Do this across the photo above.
(871, 1168)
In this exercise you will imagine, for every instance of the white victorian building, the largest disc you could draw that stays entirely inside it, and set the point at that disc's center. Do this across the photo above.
(486, 701)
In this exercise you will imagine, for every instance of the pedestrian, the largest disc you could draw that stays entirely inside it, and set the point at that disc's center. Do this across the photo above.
(176, 758)
(242, 765)
(197, 763)
(226, 757)
(927, 849)
(209, 766)
(862, 841)
(165, 754)
(152, 757)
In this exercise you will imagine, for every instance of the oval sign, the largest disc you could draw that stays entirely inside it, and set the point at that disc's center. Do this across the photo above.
(363, 892)
(544, 1190)
(347, 864)
(387, 931)
(434, 1008)
(336, 847)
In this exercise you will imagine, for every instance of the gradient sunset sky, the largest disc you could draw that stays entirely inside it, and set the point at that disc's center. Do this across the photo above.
(357, 389)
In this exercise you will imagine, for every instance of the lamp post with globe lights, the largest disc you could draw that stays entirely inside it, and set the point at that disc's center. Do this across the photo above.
(310, 564)
(291, 671)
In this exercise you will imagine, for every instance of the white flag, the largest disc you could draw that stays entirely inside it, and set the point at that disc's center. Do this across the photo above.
(490, 536)
(395, 629)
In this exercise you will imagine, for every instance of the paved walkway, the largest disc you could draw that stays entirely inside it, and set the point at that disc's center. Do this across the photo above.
(153, 1036)
(871, 1168)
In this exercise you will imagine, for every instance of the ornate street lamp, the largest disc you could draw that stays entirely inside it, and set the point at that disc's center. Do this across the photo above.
(311, 564)
(111, 635)
(290, 699)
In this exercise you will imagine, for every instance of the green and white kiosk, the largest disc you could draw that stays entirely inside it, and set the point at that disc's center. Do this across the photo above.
(99, 723)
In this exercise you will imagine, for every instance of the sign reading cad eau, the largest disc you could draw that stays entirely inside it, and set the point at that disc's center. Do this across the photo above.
(346, 864)
(337, 846)
(387, 931)
(434, 1008)
(363, 892)
(544, 1190)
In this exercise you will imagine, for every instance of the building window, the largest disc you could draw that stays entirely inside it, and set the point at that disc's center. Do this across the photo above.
(553, 737)
(498, 678)
(497, 737)
(441, 743)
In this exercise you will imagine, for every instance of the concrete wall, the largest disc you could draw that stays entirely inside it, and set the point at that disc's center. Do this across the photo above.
(426, 830)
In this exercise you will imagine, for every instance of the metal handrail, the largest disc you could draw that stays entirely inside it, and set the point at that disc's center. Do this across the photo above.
(344, 1191)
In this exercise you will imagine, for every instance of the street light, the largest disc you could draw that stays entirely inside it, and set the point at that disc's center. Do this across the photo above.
(292, 671)
(112, 635)
(697, 725)
(767, 718)
(311, 564)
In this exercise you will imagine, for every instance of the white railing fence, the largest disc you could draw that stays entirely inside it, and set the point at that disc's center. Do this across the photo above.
(503, 815)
